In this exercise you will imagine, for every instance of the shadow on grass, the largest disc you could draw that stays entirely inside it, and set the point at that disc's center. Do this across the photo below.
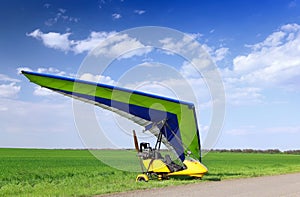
(220, 176)
(209, 177)
(186, 178)
(205, 178)
(212, 179)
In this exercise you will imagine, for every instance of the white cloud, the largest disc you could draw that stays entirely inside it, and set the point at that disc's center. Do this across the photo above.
(39, 91)
(62, 10)
(37, 124)
(60, 15)
(109, 44)
(116, 16)
(243, 95)
(249, 130)
(139, 12)
(47, 5)
(8, 87)
(195, 35)
(187, 43)
(217, 54)
(93, 40)
(220, 53)
(53, 39)
(97, 78)
(202, 57)
(239, 132)
(53, 71)
(49, 70)
(291, 27)
(199, 70)
(7, 78)
(121, 44)
(3, 108)
(292, 4)
(203, 129)
(273, 40)
(9, 90)
(238, 92)
(101, 3)
(286, 130)
(274, 61)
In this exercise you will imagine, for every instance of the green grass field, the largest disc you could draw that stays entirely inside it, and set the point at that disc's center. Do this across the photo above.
(35, 172)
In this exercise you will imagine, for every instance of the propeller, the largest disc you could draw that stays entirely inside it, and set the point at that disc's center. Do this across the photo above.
(136, 143)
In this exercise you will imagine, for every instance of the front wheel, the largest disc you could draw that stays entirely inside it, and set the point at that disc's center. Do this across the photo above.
(142, 178)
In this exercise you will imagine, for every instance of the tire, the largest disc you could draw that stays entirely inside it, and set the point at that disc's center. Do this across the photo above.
(141, 179)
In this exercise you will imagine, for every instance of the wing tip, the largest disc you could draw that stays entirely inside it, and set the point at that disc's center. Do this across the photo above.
(24, 72)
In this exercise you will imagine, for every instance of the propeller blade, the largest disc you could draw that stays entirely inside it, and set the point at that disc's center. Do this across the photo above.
(136, 144)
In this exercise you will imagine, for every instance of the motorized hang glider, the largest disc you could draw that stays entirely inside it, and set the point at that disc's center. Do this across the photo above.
(173, 122)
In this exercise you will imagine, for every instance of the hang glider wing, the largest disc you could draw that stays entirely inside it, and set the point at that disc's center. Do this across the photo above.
(175, 119)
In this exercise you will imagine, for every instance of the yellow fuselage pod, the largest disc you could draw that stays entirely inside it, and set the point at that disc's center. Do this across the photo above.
(156, 165)
(193, 168)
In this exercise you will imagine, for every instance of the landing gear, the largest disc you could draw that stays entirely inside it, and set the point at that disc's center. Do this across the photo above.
(142, 178)
(145, 177)
(159, 177)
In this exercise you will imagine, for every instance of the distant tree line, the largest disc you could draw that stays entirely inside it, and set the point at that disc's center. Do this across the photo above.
(270, 151)
(297, 152)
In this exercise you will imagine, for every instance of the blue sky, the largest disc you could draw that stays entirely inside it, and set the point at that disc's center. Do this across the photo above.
(255, 45)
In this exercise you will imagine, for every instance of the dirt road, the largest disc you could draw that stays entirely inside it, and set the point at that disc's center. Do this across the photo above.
(282, 185)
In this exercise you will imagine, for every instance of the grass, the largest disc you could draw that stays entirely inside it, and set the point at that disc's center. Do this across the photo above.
(35, 172)
(239, 165)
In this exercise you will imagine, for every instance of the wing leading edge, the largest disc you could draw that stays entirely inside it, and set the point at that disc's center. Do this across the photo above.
(175, 119)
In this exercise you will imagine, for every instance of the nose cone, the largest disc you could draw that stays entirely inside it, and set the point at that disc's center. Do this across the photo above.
(203, 168)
